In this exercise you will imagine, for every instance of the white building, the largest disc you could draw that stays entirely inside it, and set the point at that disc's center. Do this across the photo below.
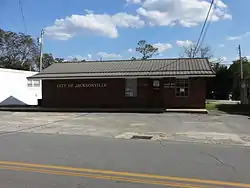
(15, 89)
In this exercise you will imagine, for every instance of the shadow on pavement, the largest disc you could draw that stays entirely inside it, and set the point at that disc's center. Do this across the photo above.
(238, 109)
(27, 108)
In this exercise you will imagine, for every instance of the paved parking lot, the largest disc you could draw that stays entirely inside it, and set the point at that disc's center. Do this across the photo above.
(115, 125)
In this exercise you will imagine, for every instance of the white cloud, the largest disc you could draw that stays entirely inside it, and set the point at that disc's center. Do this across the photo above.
(238, 37)
(183, 12)
(184, 43)
(108, 55)
(186, 13)
(234, 38)
(133, 1)
(127, 20)
(162, 47)
(219, 59)
(221, 45)
(92, 24)
(80, 57)
(89, 56)
(89, 11)
(130, 50)
(223, 58)
(221, 4)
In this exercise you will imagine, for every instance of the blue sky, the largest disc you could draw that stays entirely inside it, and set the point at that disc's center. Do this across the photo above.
(110, 29)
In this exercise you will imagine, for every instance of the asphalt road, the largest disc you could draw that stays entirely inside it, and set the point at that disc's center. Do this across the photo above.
(61, 161)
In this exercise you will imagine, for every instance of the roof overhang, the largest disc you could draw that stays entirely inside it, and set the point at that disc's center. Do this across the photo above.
(118, 77)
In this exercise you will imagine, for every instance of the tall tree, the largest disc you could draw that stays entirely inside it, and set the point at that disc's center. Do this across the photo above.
(227, 80)
(17, 50)
(48, 60)
(145, 49)
(221, 85)
(235, 72)
(190, 51)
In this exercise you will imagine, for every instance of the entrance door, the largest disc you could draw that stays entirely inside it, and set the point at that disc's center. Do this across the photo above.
(156, 94)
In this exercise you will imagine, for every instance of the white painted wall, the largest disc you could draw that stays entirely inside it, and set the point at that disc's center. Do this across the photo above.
(14, 83)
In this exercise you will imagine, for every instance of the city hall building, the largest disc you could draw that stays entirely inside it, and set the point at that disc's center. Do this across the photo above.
(154, 83)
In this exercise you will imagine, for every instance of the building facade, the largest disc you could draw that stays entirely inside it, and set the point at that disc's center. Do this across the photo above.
(16, 89)
(161, 83)
(247, 91)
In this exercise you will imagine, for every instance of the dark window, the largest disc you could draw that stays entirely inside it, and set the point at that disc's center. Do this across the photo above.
(182, 88)
(131, 88)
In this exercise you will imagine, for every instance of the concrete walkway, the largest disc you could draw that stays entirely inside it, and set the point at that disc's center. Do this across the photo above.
(200, 111)
(116, 110)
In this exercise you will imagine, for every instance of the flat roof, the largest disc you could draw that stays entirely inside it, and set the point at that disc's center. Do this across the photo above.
(197, 67)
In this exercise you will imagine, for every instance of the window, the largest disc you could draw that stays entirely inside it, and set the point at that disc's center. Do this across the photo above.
(29, 84)
(36, 83)
(156, 83)
(33, 83)
(182, 88)
(131, 88)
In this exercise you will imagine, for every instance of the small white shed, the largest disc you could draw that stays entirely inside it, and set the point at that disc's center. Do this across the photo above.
(15, 89)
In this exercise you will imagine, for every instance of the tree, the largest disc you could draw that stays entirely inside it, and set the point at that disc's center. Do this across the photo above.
(227, 80)
(221, 85)
(75, 60)
(190, 51)
(146, 50)
(48, 60)
(17, 50)
(59, 60)
(235, 72)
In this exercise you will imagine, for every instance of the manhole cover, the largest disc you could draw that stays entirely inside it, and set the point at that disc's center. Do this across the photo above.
(144, 137)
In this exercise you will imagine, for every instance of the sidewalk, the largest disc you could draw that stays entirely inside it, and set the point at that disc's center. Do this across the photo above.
(86, 110)
(198, 111)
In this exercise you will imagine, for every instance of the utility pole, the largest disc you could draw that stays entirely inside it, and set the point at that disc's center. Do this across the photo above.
(242, 84)
(241, 66)
(41, 50)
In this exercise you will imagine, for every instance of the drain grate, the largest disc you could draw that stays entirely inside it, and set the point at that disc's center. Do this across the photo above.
(144, 137)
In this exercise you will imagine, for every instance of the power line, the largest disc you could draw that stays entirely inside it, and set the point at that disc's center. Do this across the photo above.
(21, 8)
(203, 27)
(208, 24)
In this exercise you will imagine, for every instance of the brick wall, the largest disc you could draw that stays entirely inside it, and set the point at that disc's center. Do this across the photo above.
(63, 93)
(111, 96)
(195, 99)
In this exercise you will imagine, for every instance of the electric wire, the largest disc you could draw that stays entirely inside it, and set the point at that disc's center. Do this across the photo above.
(203, 28)
(23, 18)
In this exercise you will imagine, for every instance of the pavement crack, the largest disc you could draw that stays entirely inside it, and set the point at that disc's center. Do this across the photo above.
(37, 126)
(220, 161)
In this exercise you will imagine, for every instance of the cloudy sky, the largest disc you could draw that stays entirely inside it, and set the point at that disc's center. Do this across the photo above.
(110, 29)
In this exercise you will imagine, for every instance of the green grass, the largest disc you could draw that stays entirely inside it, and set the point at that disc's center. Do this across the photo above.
(211, 106)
